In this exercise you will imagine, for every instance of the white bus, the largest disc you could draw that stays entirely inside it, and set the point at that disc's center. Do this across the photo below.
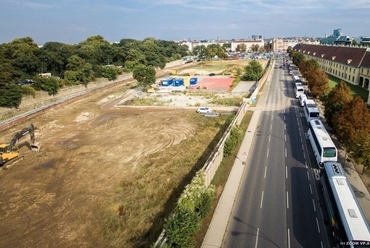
(311, 112)
(322, 145)
(348, 223)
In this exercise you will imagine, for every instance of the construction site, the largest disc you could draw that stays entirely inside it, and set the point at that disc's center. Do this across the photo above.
(98, 173)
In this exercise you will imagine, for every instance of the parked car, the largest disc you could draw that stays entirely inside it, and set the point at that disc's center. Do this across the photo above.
(212, 74)
(204, 110)
(25, 82)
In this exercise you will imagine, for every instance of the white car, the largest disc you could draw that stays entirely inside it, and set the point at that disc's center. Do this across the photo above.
(204, 110)
(302, 98)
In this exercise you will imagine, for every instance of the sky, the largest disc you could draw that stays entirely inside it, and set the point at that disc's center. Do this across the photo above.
(73, 21)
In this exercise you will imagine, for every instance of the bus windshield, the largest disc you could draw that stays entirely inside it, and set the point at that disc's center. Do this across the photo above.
(329, 152)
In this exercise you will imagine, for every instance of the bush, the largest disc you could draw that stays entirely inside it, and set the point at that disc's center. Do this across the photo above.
(235, 136)
(194, 204)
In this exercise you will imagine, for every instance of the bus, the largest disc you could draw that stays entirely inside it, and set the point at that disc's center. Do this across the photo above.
(348, 223)
(322, 145)
(311, 112)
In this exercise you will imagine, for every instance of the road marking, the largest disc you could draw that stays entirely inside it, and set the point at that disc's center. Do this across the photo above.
(288, 238)
(265, 172)
(268, 150)
(311, 189)
(286, 171)
(317, 223)
(286, 153)
(287, 200)
(285, 137)
(269, 137)
(308, 176)
(258, 230)
(271, 127)
(261, 199)
(314, 206)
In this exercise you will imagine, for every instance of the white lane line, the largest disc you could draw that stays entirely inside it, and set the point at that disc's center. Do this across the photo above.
(262, 199)
(308, 176)
(314, 206)
(271, 127)
(286, 171)
(311, 189)
(268, 150)
(269, 137)
(287, 200)
(285, 137)
(286, 153)
(288, 238)
(317, 223)
(258, 230)
(265, 172)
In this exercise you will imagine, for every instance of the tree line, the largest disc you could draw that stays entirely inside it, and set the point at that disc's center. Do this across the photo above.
(22, 59)
(347, 115)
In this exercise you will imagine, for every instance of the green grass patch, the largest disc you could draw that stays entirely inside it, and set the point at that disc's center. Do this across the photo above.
(355, 89)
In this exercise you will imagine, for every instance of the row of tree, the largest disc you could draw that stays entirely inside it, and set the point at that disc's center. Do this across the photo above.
(348, 116)
(76, 64)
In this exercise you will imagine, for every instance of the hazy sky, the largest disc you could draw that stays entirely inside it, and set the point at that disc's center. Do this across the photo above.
(73, 21)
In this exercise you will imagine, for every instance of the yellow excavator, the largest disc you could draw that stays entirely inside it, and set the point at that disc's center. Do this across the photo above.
(10, 152)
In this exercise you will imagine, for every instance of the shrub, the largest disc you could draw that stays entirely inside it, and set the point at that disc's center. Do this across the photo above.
(235, 135)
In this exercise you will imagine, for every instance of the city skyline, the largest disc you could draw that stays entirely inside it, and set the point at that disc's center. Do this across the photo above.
(71, 21)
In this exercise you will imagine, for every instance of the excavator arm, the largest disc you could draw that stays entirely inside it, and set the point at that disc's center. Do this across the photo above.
(10, 151)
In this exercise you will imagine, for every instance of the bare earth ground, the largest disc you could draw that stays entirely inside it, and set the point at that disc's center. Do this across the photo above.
(56, 197)
(52, 198)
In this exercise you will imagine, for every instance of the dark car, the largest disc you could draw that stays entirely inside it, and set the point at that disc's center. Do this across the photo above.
(25, 82)
(212, 74)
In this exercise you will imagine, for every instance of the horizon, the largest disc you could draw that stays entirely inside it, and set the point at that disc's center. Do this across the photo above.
(71, 22)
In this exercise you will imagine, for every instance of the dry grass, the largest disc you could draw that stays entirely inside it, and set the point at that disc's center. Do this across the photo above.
(135, 216)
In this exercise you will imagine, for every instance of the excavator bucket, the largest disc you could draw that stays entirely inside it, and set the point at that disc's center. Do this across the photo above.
(35, 146)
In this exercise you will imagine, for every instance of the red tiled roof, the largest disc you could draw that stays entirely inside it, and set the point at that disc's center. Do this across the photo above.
(352, 56)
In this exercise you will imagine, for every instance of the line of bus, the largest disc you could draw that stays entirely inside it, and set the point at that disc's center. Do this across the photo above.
(322, 145)
(311, 112)
(348, 223)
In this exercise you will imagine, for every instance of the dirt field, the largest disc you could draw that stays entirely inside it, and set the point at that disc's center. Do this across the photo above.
(57, 197)
(49, 199)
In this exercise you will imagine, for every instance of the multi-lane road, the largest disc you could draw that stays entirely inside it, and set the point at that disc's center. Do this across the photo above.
(278, 203)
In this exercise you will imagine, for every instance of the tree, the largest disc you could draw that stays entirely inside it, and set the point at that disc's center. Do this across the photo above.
(253, 71)
(49, 84)
(334, 101)
(318, 82)
(11, 96)
(78, 71)
(353, 119)
(144, 75)
(297, 57)
(109, 72)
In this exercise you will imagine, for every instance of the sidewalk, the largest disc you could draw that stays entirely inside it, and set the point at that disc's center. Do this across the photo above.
(218, 225)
